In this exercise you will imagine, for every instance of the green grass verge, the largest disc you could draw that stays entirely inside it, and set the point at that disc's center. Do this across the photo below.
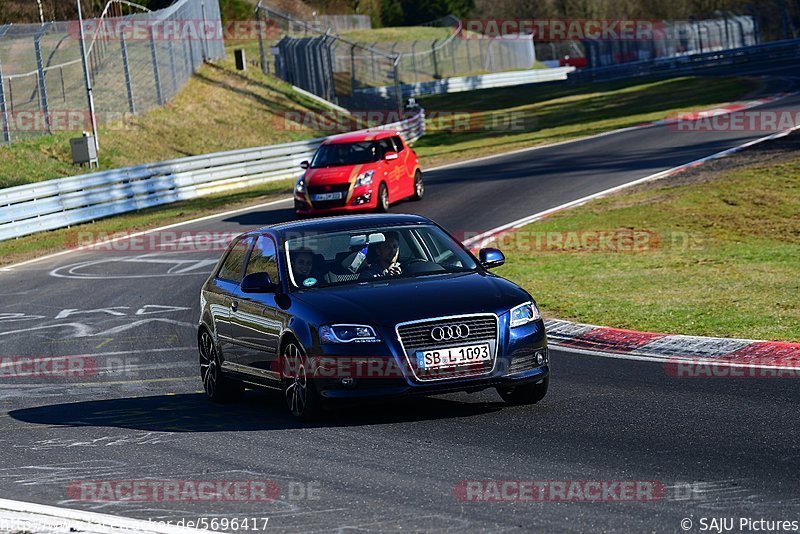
(737, 274)
(516, 117)
(24, 248)
(400, 34)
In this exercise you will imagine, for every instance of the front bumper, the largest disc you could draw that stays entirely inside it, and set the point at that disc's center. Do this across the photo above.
(382, 369)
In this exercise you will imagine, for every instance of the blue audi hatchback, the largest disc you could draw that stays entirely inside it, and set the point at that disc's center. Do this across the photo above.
(365, 307)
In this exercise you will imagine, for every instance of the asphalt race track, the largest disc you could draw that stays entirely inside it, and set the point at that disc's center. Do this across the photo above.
(713, 448)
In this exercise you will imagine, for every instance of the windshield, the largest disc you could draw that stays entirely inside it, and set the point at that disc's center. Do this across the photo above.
(336, 154)
(359, 256)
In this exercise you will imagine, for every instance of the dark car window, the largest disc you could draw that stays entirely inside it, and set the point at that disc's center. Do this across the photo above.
(398, 143)
(351, 257)
(263, 259)
(385, 145)
(335, 154)
(233, 267)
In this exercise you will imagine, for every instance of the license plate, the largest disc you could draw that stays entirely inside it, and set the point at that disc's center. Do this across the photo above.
(453, 356)
(329, 196)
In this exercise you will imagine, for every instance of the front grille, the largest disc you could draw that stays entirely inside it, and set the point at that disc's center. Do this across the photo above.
(417, 336)
(335, 188)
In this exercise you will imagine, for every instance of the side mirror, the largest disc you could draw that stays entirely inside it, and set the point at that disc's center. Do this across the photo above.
(305, 165)
(491, 258)
(258, 283)
(390, 156)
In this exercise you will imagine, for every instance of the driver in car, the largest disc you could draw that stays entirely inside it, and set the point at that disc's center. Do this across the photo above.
(386, 254)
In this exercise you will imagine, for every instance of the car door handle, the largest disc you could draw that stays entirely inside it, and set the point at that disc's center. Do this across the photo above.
(234, 305)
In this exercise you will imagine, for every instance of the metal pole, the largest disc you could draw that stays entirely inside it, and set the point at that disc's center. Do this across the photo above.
(205, 44)
(261, 50)
(435, 64)
(126, 70)
(88, 80)
(397, 88)
(156, 74)
(3, 111)
(172, 67)
(42, 85)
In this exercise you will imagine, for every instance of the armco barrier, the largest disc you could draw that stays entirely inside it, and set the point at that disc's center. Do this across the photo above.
(785, 51)
(471, 83)
(63, 202)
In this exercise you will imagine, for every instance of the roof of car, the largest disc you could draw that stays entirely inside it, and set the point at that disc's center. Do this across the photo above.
(347, 222)
(357, 137)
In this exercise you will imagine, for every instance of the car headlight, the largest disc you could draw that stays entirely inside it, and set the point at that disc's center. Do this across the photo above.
(365, 178)
(348, 333)
(301, 186)
(524, 314)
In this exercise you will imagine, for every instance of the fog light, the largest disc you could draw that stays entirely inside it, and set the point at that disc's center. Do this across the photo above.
(363, 199)
(539, 358)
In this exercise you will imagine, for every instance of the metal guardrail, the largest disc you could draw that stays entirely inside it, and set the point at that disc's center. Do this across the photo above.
(471, 83)
(63, 202)
(776, 50)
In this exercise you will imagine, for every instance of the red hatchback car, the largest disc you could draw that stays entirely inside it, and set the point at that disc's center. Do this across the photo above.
(358, 171)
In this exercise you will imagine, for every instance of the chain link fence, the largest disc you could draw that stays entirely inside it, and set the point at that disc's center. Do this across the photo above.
(337, 69)
(135, 62)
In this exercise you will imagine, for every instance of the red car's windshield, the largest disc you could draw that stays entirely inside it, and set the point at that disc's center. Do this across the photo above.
(336, 154)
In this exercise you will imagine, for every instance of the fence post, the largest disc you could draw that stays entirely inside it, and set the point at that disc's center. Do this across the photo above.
(353, 66)
(469, 56)
(453, 56)
(435, 64)
(63, 85)
(42, 83)
(127, 72)
(3, 111)
(172, 68)
(261, 50)
(205, 43)
(372, 54)
(414, 61)
(156, 74)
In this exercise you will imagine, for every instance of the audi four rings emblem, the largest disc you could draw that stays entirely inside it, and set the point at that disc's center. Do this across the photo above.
(448, 332)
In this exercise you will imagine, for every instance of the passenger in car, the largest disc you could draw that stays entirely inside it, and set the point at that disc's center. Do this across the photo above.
(303, 267)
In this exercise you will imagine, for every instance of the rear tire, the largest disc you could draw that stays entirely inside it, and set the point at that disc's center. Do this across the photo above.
(526, 394)
(383, 199)
(419, 186)
(218, 387)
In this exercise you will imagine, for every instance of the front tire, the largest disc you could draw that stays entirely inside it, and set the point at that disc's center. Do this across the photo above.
(383, 199)
(218, 387)
(526, 394)
(301, 396)
(419, 186)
